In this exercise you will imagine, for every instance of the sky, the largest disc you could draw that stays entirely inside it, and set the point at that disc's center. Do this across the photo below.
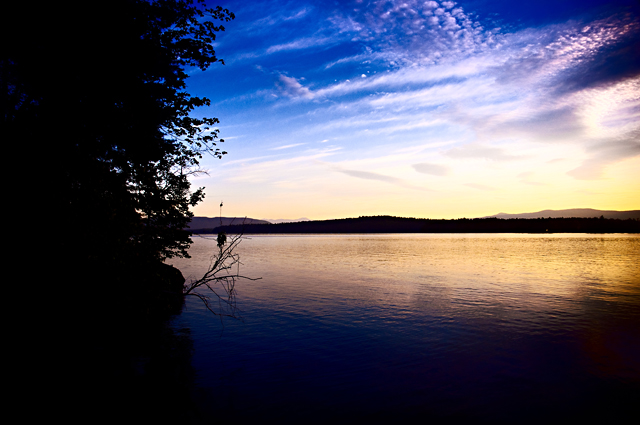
(435, 109)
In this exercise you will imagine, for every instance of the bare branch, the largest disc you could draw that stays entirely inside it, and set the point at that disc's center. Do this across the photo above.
(218, 282)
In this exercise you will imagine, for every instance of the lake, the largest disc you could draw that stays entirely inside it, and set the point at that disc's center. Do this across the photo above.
(404, 327)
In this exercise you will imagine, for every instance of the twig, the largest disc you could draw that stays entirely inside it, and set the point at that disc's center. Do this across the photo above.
(219, 279)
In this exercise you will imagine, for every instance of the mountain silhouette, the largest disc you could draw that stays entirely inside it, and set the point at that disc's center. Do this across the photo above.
(574, 212)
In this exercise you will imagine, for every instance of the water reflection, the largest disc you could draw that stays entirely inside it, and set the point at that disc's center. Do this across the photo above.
(442, 326)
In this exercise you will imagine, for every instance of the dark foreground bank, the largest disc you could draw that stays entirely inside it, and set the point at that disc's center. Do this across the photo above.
(109, 353)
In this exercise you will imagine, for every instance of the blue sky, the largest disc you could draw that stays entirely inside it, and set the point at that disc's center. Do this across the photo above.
(423, 108)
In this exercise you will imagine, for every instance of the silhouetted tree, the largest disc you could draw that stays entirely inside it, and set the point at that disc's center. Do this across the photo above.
(95, 92)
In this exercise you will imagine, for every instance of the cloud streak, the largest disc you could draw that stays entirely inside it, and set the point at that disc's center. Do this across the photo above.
(368, 175)
(432, 169)
(472, 151)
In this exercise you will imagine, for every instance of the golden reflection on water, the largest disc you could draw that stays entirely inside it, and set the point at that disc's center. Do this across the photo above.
(540, 264)
(458, 271)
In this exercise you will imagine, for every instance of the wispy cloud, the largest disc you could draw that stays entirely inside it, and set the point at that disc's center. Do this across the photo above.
(368, 175)
(301, 43)
(433, 169)
(278, 169)
(293, 145)
(475, 151)
(276, 18)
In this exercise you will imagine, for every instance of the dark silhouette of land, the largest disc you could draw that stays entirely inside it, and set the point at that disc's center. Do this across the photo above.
(202, 224)
(389, 224)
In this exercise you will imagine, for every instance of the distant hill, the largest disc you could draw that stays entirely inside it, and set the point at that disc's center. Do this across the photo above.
(574, 212)
(208, 223)
(286, 220)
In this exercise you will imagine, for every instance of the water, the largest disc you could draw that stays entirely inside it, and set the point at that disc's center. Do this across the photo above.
(381, 328)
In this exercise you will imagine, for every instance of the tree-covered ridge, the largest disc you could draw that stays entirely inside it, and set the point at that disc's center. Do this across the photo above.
(389, 224)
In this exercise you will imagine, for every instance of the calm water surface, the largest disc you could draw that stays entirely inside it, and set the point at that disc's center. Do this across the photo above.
(380, 328)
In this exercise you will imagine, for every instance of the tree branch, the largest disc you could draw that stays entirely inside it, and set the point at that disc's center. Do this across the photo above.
(218, 282)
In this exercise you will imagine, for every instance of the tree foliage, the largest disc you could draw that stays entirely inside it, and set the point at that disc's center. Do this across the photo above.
(110, 85)
(97, 91)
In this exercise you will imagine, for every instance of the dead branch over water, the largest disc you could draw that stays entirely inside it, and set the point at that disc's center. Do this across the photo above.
(218, 284)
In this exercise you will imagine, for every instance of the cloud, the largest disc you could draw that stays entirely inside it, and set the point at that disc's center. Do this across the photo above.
(293, 145)
(571, 57)
(265, 169)
(433, 169)
(290, 87)
(547, 123)
(367, 175)
(350, 59)
(612, 56)
(415, 31)
(267, 23)
(484, 152)
(301, 43)
(605, 153)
